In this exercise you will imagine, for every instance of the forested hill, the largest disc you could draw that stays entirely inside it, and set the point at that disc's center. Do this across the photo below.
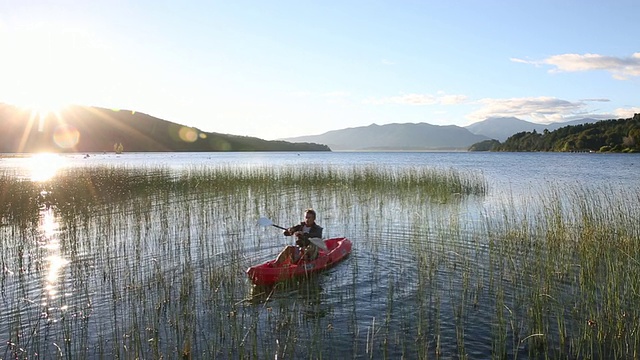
(622, 135)
(92, 129)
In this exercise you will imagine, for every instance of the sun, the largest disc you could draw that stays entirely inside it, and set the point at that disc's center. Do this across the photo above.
(39, 77)
(51, 66)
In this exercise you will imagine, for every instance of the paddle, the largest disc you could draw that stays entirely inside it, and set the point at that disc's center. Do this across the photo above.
(263, 221)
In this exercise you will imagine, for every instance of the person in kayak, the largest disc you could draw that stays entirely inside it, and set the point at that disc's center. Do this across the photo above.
(304, 249)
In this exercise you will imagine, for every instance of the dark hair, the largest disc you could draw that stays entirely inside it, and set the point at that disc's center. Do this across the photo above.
(312, 212)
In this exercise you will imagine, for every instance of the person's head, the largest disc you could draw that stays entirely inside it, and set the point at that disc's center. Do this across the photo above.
(309, 216)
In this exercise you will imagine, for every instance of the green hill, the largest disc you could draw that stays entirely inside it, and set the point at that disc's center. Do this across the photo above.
(93, 129)
(622, 135)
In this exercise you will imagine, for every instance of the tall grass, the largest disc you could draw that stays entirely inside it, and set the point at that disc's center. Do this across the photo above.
(570, 266)
(156, 258)
(149, 263)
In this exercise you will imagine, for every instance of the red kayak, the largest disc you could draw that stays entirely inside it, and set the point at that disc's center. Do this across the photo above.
(267, 274)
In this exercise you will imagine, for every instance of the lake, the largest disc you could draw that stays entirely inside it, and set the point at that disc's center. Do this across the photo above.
(518, 170)
(163, 276)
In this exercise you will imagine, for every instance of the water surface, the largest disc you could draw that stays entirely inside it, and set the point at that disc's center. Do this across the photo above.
(166, 274)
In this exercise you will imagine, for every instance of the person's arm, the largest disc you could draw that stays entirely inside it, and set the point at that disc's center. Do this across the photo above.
(290, 231)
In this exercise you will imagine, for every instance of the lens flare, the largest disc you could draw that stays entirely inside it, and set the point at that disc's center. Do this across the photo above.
(66, 136)
(188, 134)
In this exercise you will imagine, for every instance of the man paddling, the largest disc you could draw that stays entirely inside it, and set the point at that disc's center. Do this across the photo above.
(304, 248)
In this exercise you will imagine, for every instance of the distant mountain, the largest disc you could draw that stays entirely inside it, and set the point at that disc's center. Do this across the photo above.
(558, 125)
(501, 128)
(410, 136)
(93, 129)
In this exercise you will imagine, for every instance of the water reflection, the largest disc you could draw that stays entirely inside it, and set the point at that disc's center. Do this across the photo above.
(307, 293)
(43, 167)
(48, 227)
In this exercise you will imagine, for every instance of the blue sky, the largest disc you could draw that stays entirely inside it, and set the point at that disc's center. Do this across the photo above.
(275, 69)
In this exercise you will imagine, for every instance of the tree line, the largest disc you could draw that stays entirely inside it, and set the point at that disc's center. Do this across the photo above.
(621, 135)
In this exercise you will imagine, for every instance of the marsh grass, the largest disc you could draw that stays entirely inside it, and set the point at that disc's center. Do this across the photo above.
(569, 266)
(149, 263)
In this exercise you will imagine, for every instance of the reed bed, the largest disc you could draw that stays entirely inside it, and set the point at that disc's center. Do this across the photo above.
(149, 263)
(573, 261)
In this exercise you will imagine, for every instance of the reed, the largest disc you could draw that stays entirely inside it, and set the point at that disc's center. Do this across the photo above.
(572, 272)
(82, 189)
(149, 263)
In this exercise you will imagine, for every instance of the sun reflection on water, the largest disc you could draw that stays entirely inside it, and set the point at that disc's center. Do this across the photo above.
(44, 166)
(56, 262)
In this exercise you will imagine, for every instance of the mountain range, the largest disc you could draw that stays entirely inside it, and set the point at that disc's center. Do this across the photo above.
(410, 136)
(423, 136)
(94, 129)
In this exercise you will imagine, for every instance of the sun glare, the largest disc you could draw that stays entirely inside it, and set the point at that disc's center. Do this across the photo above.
(42, 109)
(44, 166)
(42, 105)
(49, 228)
(51, 66)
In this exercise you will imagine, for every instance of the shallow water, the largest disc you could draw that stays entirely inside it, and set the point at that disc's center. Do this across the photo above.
(166, 275)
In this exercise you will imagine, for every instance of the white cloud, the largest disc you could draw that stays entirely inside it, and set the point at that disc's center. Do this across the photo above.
(625, 113)
(596, 100)
(522, 61)
(546, 110)
(619, 113)
(420, 99)
(538, 109)
(452, 99)
(621, 68)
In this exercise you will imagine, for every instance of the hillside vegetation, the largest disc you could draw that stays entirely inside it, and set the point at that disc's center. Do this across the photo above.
(93, 129)
(622, 135)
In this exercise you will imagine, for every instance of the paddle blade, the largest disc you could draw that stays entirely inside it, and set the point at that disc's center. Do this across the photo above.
(319, 243)
(263, 221)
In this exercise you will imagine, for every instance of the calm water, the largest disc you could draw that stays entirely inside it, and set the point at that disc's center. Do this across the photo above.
(516, 170)
(368, 303)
